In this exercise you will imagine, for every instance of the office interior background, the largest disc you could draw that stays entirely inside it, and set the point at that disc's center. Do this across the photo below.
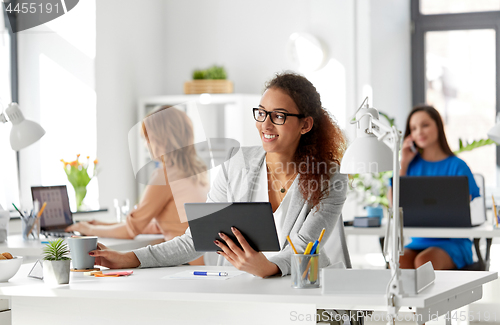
(83, 75)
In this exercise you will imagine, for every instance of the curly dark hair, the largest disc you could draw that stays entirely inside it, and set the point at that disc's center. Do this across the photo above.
(322, 147)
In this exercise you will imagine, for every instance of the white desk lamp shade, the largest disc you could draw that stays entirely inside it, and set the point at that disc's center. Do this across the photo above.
(366, 155)
(494, 132)
(24, 132)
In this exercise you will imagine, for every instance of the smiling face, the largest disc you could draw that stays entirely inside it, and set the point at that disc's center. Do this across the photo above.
(423, 130)
(281, 138)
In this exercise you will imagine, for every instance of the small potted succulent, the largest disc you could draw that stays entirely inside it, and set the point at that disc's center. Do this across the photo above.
(56, 263)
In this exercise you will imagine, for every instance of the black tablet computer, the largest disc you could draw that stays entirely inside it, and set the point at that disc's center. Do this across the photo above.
(254, 220)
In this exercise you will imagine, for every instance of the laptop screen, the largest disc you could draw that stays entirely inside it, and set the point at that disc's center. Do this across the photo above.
(57, 214)
(435, 201)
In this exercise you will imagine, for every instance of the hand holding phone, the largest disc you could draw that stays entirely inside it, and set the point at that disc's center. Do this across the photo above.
(413, 148)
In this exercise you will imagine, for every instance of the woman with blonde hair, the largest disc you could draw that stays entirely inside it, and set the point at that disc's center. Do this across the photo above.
(179, 178)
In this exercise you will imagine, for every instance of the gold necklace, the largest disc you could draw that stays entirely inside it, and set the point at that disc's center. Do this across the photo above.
(282, 190)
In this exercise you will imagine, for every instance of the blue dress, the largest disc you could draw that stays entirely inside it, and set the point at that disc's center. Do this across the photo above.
(459, 249)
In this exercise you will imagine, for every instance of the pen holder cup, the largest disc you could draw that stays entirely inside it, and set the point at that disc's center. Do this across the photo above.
(30, 228)
(305, 271)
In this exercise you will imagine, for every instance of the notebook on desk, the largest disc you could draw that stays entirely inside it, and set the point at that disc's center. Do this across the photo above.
(435, 201)
(57, 214)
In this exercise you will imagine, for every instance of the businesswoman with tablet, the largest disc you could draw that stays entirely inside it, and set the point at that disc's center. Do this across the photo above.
(295, 169)
(425, 152)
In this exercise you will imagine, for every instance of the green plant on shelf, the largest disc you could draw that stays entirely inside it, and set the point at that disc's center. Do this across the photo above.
(214, 72)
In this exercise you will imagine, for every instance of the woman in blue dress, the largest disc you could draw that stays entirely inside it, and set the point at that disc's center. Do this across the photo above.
(426, 152)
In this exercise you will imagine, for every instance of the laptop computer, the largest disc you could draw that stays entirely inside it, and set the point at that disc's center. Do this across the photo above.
(57, 214)
(254, 220)
(435, 201)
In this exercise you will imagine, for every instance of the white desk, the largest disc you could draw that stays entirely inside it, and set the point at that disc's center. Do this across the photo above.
(482, 231)
(145, 298)
(19, 247)
(485, 230)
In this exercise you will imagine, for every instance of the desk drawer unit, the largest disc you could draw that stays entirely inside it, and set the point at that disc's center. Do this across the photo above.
(5, 317)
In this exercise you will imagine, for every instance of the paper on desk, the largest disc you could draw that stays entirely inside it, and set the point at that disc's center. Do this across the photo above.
(189, 276)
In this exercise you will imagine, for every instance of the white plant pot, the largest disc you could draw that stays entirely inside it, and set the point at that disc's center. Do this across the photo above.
(56, 272)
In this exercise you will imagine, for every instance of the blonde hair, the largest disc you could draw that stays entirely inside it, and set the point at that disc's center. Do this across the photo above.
(171, 130)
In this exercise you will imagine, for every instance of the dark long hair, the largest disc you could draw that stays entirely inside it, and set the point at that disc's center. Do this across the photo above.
(434, 114)
(322, 147)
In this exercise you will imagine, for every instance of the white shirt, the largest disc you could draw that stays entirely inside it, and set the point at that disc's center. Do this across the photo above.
(260, 194)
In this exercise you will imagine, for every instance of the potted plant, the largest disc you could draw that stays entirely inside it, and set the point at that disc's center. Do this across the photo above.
(56, 266)
(211, 80)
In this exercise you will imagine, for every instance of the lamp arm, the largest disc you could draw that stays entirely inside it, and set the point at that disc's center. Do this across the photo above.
(395, 286)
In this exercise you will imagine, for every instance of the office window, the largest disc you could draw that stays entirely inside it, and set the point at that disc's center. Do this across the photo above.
(61, 56)
(432, 7)
(460, 80)
(454, 68)
(9, 186)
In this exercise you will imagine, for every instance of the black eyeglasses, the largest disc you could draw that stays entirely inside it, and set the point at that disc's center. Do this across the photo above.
(277, 118)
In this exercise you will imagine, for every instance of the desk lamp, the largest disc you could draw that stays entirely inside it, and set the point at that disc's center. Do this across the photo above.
(371, 152)
(24, 132)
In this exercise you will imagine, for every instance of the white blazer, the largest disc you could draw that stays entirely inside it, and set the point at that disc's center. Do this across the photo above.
(302, 222)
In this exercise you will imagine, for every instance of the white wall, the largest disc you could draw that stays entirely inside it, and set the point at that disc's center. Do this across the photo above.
(129, 64)
(152, 51)
(249, 39)
(391, 58)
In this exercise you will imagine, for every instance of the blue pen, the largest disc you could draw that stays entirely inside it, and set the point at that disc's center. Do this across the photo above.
(315, 246)
(210, 273)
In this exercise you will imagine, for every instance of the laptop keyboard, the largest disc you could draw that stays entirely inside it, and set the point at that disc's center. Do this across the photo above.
(58, 234)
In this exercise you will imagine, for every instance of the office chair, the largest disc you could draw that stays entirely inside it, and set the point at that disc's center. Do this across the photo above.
(478, 216)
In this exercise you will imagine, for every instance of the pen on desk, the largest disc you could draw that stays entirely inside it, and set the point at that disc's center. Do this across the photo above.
(291, 244)
(210, 273)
